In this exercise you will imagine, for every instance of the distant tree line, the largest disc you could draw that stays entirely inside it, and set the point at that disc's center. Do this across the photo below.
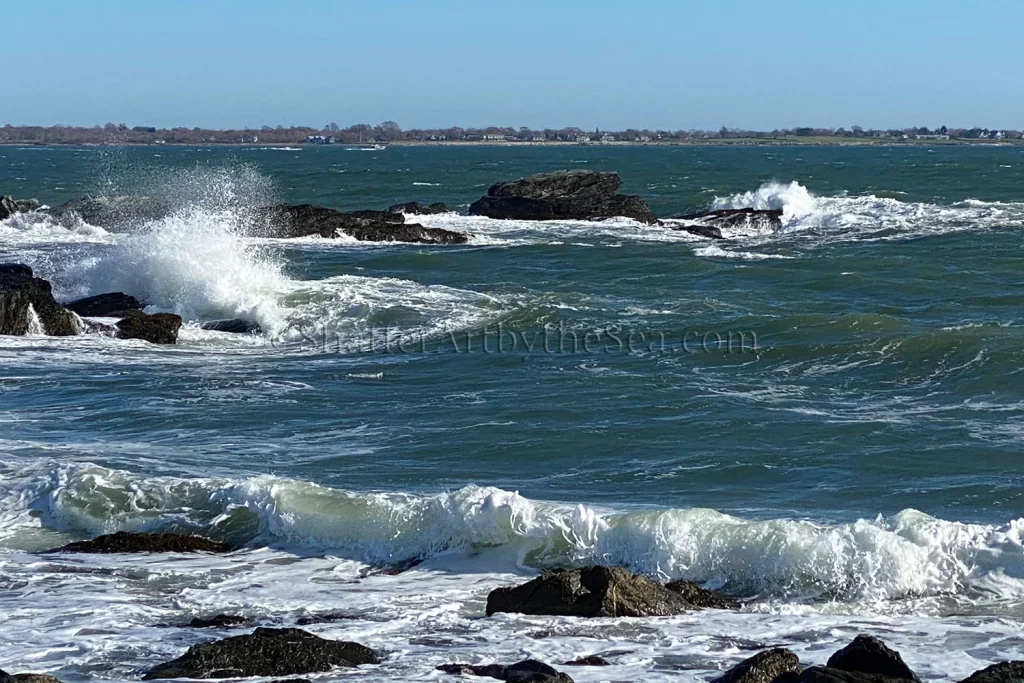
(389, 131)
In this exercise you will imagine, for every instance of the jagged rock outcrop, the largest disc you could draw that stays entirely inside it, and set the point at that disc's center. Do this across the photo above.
(10, 206)
(235, 326)
(764, 667)
(265, 652)
(591, 592)
(1004, 672)
(158, 328)
(109, 305)
(131, 542)
(21, 294)
(302, 220)
(564, 195)
(417, 209)
(114, 213)
(526, 671)
(867, 654)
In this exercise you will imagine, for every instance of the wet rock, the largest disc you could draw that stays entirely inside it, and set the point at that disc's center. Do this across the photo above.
(310, 619)
(115, 214)
(764, 667)
(303, 220)
(10, 206)
(867, 654)
(5, 677)
(590, 592)
(591, 660)
(19, 290)
(265, 652)
(564, 195)
(158, 328)
(751, 219)
(109, 305)
(131, 542)
(235, 326)
(221, 621)
(415, 208)
(33, 678)
(1004, 672)
(699, 597)
(825, 674)
(709, 231)
(526, 671)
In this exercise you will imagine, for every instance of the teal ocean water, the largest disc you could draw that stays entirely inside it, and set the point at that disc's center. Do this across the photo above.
(825, 421)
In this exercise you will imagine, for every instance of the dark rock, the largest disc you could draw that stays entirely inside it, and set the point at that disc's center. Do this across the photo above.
(265, 652)
(825, 674)
(1003, 672)
(867, 654)
(564, 195)
(526, 671)
(759, 219)
(115, 214)
(221, 621)
(764, 667)
(591, 660)
(158, 328)
(33, 678)
(590, 592)
(236, 326)
(303, 220)
(131, 542)
(24, 206)
(417, 209)
(310, 619)
(6, 677)
(709, 231)
(110, 305)
(8, 207)
(699, 597)
(19, 289)
(291, 680)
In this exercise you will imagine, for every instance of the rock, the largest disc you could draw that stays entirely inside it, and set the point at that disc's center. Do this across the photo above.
(709, 231)
(131, 542)
(825, 674)
(564, 195)
(110, 305)
(265, 652)
(24, 206)
(417, 209)
(698, 597)
(867, 654)
(310, 619)
(756, 219)
(158, 328)
(526, 671)
(1003, 672)
(590, 592)
(303, 220)
(6, 677)
(34, 678)
(20, 289)
(591, 660)
(115, 214)
(7, 207)
(220, 621)
(236, 326)
(764, 667)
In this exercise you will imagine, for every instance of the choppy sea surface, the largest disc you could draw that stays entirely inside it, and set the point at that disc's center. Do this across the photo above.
(826, 421)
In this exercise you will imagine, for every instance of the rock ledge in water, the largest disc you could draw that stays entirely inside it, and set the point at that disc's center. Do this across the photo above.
(764, 667)
(109, 305)
(19, 290)
(131, 542)
(265, 652)
(867, 654)
(1004, 672)
(158, 328)
(417, 209)
(303, 220)
(526, 671)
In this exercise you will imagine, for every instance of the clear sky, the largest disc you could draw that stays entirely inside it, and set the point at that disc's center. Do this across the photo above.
(554, 63)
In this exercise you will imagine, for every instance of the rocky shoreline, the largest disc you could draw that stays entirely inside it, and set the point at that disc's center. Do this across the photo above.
(596, 592)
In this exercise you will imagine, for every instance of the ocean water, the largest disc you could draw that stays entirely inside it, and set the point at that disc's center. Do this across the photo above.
(825, 422)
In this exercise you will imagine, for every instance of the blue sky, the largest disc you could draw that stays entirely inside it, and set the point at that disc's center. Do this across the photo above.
(643, 63)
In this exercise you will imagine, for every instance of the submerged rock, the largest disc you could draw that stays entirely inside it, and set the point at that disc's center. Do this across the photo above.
(564, 195)
(158, 328)
(220, 621)
(115, 213)
(417, 209)
(303, 220)
(757, 219)
(235, 325)
(131, 542)
(590, 592)
(590, 660)
(526, 671)
(21, 293)
(867, 654)
(764, 667)
(109, 305)
(265, 652)
(1004, 672)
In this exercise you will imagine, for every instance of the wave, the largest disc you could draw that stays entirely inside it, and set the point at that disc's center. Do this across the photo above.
(907, 555)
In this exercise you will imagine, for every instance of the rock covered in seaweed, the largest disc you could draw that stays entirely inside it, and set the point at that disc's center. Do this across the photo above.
(158, 328)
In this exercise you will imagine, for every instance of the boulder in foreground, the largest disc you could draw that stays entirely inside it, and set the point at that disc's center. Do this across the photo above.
(303, 220)
(564, 195)
(867, 654)
(592, 592)
(764, 667)
(131, 542)
(1004, 672)
(109, 305)
(526, 671)
(158, 328)
(265, 652)
(21, 294)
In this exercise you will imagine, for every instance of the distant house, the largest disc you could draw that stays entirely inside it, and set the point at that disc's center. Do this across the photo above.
(538, 138)
(643, 138)
(494, 138)
(931, 136)
(319, 139)
(607, 137)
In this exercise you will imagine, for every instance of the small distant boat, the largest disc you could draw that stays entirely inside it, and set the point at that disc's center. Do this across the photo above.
(365, 148)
